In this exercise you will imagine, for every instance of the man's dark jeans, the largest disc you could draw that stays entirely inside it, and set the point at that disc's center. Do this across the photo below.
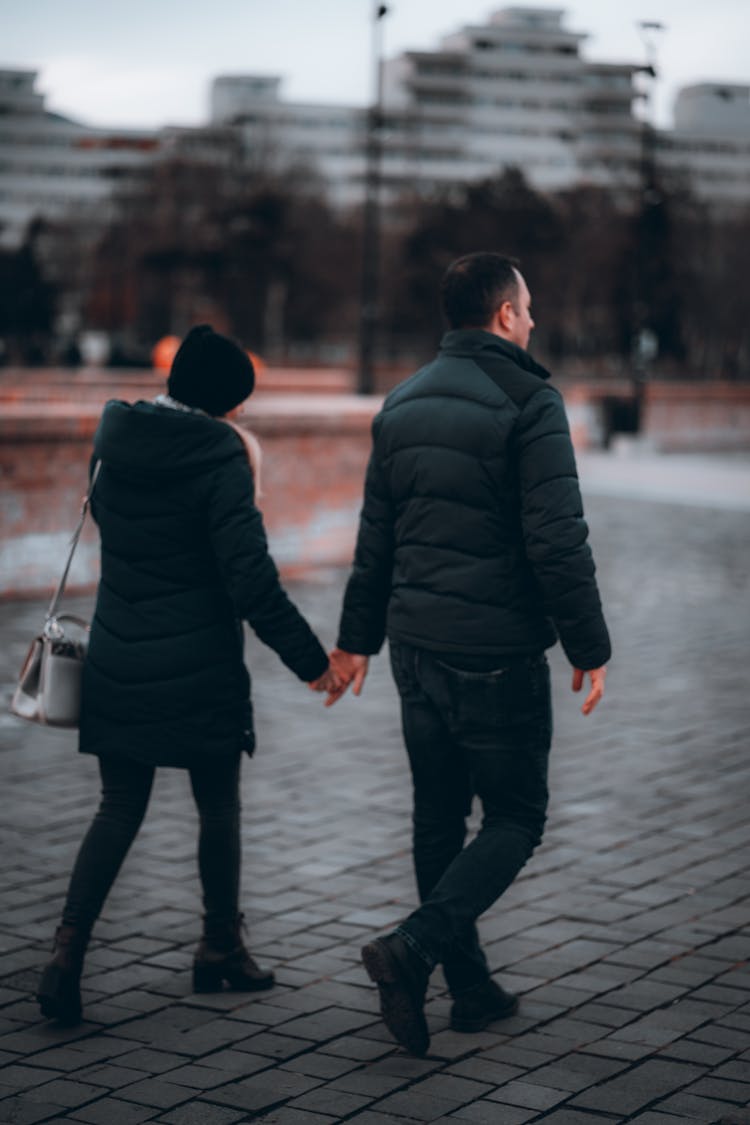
(467, 733)
(126, 787)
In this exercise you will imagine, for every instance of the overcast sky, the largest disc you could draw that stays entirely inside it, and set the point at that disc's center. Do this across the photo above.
(150, 62)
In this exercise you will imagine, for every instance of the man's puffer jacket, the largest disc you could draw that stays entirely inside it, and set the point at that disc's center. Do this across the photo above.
(472, 537)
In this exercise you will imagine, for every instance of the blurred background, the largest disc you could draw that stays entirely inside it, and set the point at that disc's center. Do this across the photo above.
(314, 227)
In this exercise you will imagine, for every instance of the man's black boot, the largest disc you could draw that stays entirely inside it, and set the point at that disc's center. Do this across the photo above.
(222, 956)
(480, 1006)
(59, 992)
(401, 977)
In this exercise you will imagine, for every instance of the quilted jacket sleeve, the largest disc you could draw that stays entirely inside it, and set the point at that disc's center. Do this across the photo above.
(363, 618)
(249, 574)
(555, 532)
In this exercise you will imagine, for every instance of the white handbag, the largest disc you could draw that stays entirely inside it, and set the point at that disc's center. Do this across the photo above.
(49, 686)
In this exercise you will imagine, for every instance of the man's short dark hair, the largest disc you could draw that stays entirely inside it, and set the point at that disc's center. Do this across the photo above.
(475, 286)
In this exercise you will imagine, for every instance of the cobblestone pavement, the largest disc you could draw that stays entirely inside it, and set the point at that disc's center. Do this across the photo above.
(628, 933)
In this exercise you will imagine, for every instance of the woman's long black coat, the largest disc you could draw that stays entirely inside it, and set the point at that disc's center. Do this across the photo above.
(184, 561)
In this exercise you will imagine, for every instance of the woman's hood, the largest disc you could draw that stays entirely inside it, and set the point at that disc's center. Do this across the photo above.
(144, 437)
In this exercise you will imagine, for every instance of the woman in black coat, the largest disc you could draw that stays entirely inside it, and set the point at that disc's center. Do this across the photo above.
(184, 560)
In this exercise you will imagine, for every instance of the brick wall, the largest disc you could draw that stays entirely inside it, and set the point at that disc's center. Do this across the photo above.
(679, 417)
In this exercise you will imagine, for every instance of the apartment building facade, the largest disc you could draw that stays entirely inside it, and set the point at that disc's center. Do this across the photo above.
(516, 90)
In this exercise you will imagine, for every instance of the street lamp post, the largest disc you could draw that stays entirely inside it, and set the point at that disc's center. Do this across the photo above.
(370, 289)
(645, 343)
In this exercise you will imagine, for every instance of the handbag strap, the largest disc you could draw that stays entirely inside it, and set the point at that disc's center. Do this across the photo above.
(57, 596)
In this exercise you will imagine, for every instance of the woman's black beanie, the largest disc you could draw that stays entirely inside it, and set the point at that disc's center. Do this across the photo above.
(210, 372)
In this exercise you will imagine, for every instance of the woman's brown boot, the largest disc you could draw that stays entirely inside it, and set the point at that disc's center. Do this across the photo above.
(59, 993)
(221, 956)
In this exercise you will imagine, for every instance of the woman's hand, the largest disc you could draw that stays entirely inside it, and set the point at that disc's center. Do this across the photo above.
(330, 682)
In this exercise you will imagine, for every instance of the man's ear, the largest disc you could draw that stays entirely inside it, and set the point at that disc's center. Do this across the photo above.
(505, 316)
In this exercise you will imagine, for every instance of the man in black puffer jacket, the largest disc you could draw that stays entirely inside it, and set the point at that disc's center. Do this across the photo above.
(473, 559)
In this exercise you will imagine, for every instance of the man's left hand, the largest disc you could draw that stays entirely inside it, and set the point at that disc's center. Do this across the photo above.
(597, 677)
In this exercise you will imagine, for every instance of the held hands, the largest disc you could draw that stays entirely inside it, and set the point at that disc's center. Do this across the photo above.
(597, 677)
(345, 668)
(349, 669)
(329, 682)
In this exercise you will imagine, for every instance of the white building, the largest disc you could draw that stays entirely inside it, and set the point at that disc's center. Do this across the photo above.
(515, 90)
(51, 166)
(276, 135)
(709, 148)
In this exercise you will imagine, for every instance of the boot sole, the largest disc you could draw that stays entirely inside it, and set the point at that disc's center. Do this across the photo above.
(402, 1014)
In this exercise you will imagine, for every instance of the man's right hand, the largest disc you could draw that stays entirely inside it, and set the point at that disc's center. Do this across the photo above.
(350, 668)
(597, 677)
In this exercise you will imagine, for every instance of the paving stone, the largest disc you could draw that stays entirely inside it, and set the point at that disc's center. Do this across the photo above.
(512, 1054)
(723, 1089)
(22, 1111)
(238, 1063)
(489, 1113)
(264, 1090)
(353, 1047)
(574, 1117)
(112, 1111)
(577, 1072)
(402, 1065)
(688, 1050)
(654, 1117)
(375, 1117)
(639, 1087)
(288, 1116)
(721, 1036)
(455, 1088)
(328, 1024)
(605, 1014)
(414, 1103)
(197, 1076)
(85, 1052)
(484, 1069)
(155, 1092)
(331, 1100)
(369, 1082)
(644, 995)
(275, 1046)
(24, 1077)
(110, 1075)
(201, 1113)
(738, 1070)
(612, 1049)
(319, 1065)
(151, 1060)
(529, 1095)
(690, 1107)
(61, 1091)
(449, 1044)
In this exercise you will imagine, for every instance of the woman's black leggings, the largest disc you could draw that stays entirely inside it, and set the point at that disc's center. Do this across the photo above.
(126, 787)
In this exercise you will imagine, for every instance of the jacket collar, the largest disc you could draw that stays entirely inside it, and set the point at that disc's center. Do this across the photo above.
(471, 341)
